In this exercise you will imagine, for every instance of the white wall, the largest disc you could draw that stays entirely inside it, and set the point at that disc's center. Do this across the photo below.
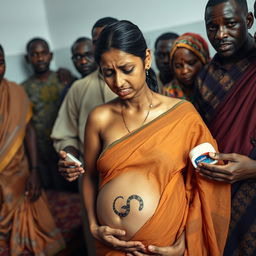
(20, 21)
(70, 19)
(62, 21)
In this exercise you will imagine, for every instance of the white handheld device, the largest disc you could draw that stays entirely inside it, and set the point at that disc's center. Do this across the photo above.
(71, 158)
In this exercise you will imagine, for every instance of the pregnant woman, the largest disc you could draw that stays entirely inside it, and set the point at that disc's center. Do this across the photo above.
(140, 188)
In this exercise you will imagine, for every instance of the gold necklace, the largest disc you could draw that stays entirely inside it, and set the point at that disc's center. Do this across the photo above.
(146, 117)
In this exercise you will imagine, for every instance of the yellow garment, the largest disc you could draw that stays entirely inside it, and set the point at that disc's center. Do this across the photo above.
(160, 150)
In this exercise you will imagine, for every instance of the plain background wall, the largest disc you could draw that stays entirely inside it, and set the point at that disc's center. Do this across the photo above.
(20, 21)
(60, 22)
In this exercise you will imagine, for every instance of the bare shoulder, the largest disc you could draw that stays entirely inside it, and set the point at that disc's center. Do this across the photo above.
(101, 115)
(165, 102)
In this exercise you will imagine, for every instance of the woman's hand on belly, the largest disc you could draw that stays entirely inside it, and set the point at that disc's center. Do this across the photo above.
(113, 238)
(177, 249)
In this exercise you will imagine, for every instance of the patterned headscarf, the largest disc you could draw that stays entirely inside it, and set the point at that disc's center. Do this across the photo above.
(193, 42)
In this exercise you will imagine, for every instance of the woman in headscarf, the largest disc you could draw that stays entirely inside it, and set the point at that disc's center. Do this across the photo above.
(188, 54)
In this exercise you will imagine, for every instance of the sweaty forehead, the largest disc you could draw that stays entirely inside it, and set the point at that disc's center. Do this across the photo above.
(225, 10)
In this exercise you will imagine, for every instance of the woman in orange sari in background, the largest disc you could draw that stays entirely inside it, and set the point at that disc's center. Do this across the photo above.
(140, 188)
(25, 219)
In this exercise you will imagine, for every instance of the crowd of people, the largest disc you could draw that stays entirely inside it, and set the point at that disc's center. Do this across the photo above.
(133, 128)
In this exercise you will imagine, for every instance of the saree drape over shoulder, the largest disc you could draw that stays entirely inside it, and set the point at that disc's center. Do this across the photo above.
(160, 151)
(22, 224)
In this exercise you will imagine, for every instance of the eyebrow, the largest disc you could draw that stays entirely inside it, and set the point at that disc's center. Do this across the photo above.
(209, 21)
(121, 66)
(125, 65)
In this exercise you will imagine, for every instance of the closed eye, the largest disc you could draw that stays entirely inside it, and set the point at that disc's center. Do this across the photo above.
(128, 70)
(108, 72)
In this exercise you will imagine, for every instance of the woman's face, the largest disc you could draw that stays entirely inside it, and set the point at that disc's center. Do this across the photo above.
(185, 66)
(124, 73)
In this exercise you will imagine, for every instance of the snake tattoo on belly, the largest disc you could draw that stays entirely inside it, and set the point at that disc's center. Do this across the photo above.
(127, 206)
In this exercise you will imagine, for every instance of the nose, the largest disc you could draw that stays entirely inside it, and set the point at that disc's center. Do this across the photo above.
(119, 81)
(166, 58)
(84, 60)
(221, 33)
(185, 69)
(39, 56)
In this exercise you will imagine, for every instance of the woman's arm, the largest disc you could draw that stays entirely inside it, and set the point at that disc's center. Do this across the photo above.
(92, 149)
(33, 187)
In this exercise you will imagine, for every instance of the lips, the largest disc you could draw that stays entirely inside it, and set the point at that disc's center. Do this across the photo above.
(187, 80)
(124, 92)
(85, 68)
(223, 47)
(41, 65)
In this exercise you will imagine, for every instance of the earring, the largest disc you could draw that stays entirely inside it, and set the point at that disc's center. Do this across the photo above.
(146, 72)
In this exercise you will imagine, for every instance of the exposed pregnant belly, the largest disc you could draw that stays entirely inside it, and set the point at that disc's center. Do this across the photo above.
(127, 202)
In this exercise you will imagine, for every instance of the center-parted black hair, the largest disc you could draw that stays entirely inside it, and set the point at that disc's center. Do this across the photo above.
(37, 39)
(166, 36)
(103, 22)
(124, 36)
(241, 3)
(78, 41)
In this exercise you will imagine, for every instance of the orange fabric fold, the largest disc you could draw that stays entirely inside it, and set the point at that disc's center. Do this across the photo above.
(13, 118)
(22, 224)
(160, 150)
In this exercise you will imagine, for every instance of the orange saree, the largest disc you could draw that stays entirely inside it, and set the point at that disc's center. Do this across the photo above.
(22, 224)
(160, 150)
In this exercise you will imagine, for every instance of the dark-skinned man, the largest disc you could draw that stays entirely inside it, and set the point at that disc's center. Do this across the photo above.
(163, 47)
(44, 89)
(83, 59)
(226, 99)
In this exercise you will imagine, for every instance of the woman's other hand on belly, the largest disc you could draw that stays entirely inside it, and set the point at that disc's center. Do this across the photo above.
(113, 238)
